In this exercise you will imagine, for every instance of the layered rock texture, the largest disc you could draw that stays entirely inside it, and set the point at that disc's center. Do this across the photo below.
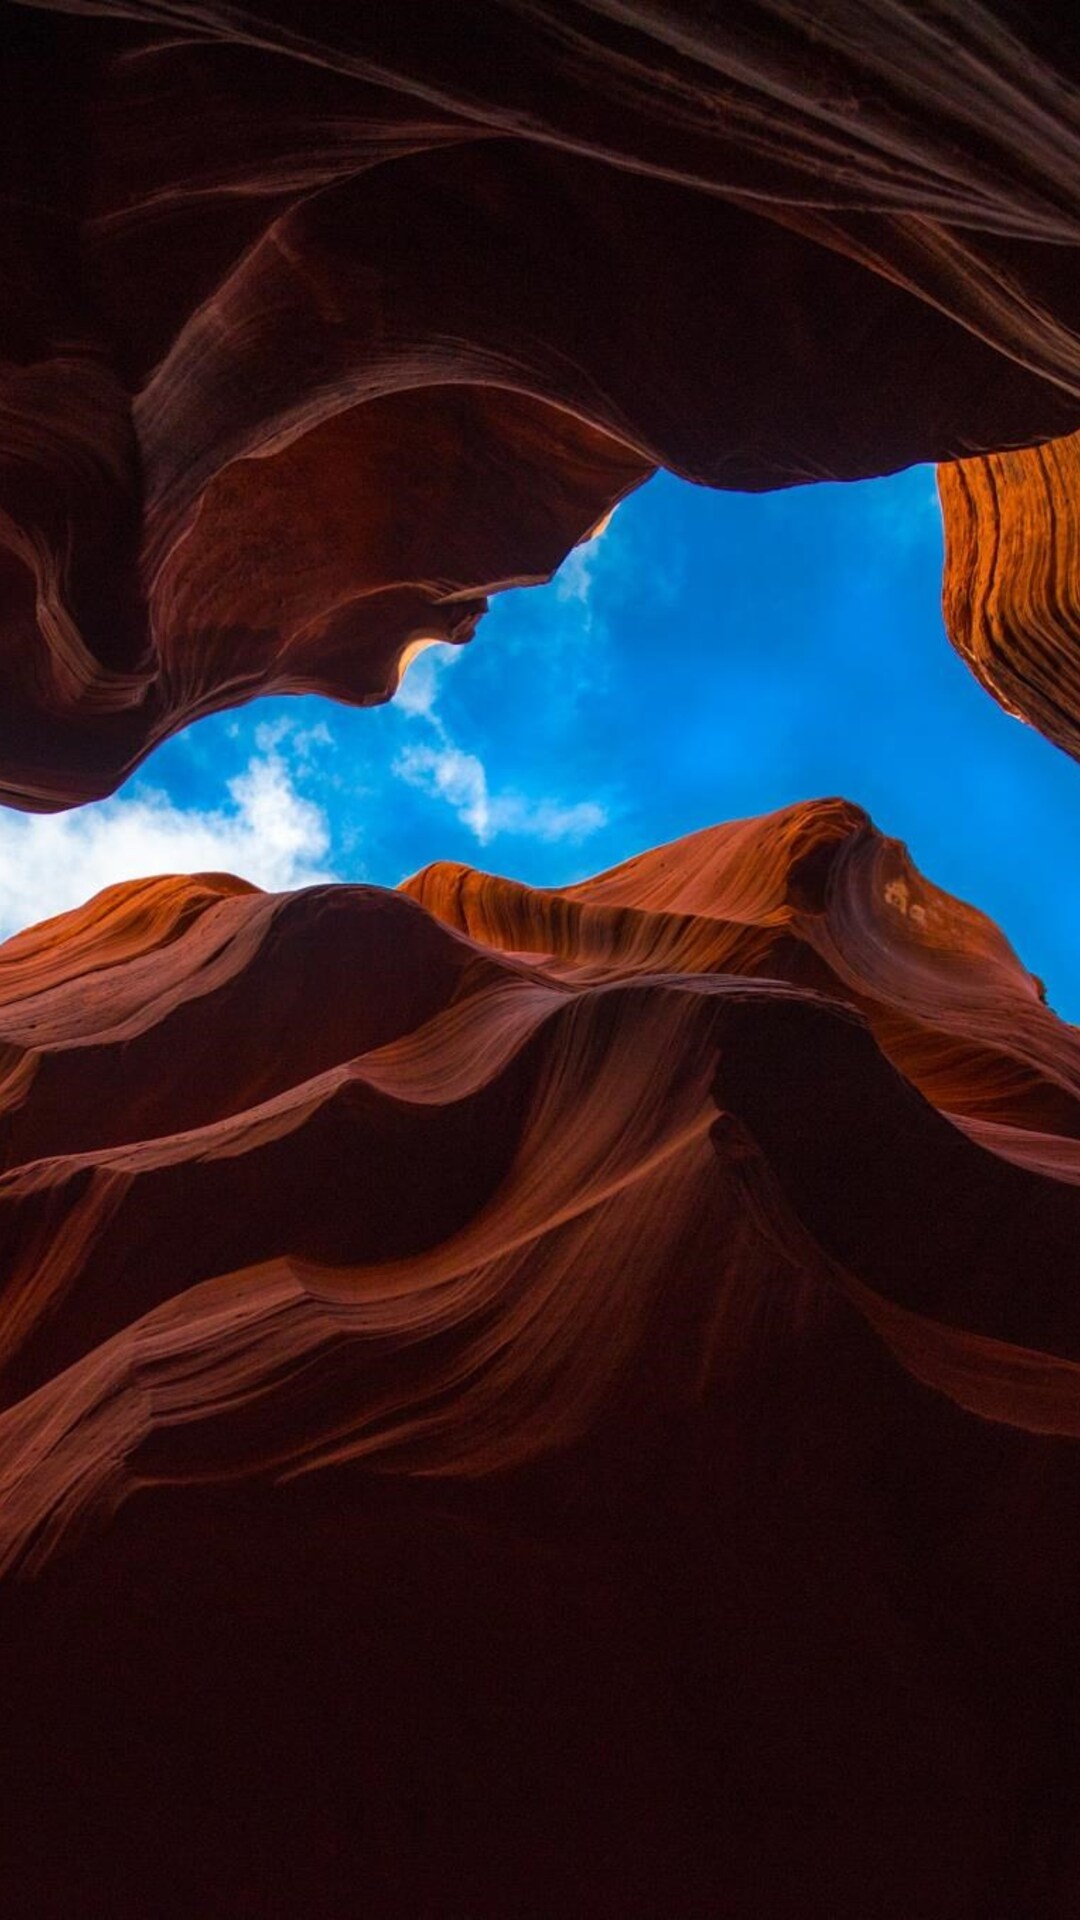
(526, 1403)
(541, 1402)
(1012, 580)
(316, 324)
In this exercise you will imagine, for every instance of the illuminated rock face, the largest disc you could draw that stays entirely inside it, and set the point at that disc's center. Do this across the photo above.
(541, 1402)
(316, 329)
(1012, 580)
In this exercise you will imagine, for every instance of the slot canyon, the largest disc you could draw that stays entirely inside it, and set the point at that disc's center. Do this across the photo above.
(527, 1401)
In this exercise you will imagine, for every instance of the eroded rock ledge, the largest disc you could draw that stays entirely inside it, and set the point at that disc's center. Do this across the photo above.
(316, 325)
(506, 1391)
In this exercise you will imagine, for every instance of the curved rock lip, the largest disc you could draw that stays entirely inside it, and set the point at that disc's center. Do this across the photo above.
(312, 335)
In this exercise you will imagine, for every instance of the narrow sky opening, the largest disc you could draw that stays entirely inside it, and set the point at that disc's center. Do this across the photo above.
(710, 656)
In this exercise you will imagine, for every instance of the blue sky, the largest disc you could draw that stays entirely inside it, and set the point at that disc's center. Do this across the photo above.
(712, 655)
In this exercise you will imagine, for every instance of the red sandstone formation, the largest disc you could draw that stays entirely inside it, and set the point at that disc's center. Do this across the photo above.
(526, 1403)
(1012, 580)
(317, 324)
(541, 1403)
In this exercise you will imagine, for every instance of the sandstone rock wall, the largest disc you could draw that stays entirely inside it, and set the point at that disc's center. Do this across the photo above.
(317, 327)
(503, 1391)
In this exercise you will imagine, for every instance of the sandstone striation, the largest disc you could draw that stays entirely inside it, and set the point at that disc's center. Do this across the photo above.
(1012, 580)
(541, 1402)
(318, 324)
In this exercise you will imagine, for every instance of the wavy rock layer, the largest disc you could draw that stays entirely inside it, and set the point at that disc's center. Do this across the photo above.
(318, 324)
(541, 1402)
(1012, 580)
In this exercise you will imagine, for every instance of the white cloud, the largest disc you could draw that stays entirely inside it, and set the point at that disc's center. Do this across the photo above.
(305, 743)
(459, 778)
(418, 688)
(268, 833)
(450, 775)
(575, 577)
(439, 767)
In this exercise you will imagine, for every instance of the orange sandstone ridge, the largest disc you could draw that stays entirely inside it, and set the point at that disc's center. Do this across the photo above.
(541, 1402)
(319, 324)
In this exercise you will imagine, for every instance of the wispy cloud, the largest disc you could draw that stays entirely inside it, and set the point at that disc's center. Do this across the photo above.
(460, 779)
(418, 691)
(574, 580)
(268, 832)
(438, 766)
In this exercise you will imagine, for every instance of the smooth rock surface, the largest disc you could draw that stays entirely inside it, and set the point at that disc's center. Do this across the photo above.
(523, 1402)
